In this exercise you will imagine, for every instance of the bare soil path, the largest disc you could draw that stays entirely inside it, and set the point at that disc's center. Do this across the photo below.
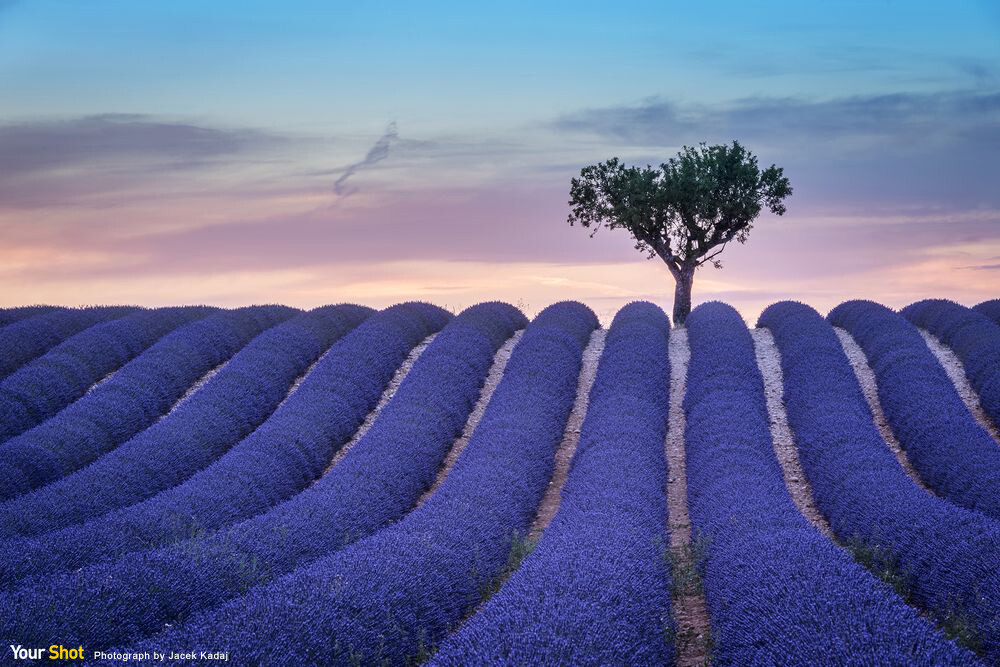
(493, 378)
(390, 391)
(198, 384)
(955, 371)
(690, 610)
(869, 387)
(571, 435)
(769, 361)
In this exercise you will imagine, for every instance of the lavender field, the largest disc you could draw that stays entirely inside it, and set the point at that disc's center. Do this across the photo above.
(344, 486)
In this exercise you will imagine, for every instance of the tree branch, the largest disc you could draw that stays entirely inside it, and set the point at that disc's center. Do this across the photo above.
(712, 256)
(664, 253)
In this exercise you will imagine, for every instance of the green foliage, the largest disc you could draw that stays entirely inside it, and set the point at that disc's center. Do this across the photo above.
(686, 564)
(695, 202)
(882, 564)
(424, 654)
(953, 621)
(521, 547)
(960, 628)
(685, 211)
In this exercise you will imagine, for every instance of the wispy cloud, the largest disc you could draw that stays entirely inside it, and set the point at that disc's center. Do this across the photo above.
(41, 145)
(906, 149)
(993, 264)
(376, 154)
(56, 162)
(879, 119)
(982, 73)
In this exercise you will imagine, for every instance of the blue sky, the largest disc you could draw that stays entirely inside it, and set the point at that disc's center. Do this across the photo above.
(201, 141)
(326, 65)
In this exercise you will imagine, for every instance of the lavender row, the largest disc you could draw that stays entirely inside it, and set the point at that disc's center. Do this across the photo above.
(990, 309)
(952, 453)
(596, 589)
(31, 337)
(18, 313)
(403, 588)
(778, 591)
(974, 337)
(942, 556)
(46, 385)
(377, 482)
(138, 393)
(273, 463)
(224, 411)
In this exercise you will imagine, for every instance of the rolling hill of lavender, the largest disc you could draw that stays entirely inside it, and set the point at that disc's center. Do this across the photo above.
(348, 486)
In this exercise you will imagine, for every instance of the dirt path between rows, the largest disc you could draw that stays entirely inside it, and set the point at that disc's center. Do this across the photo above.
(493, 378)
(198, 384)
(390, 391)
(690, 611)
(769, 362)
(300, 379)
(869, 387)
(102, 380)
(571, 435)
(955, 371)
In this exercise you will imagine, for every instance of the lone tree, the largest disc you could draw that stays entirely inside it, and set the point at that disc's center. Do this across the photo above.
(684, 212)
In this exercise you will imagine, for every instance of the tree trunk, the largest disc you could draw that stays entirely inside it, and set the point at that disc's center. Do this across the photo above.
(682, 294)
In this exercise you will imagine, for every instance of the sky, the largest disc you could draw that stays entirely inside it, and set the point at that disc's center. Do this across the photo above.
(178, 151)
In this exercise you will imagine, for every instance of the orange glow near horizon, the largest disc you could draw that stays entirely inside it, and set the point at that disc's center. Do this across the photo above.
(296, 248)
(531, 286)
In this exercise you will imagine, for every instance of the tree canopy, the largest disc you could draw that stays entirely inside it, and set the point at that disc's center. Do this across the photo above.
(686, 210)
